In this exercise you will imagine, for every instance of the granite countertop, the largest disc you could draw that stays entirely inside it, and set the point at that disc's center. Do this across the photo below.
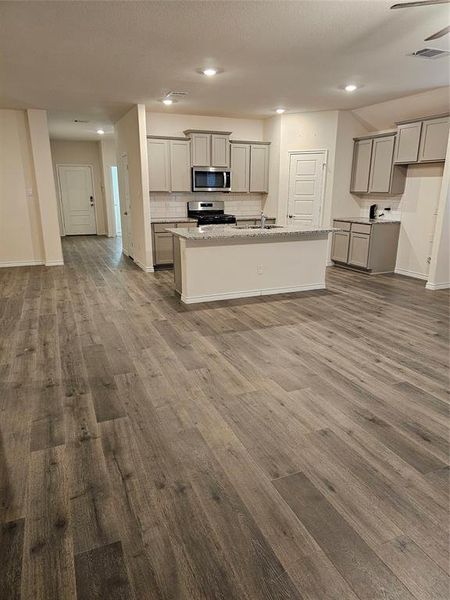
(173, 220)
(365, 220)
(216, 232)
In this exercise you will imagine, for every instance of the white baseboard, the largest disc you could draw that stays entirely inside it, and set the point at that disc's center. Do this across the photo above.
(54, 263)
(21, 263)
(414, 274)
(251, 293)
(143, 267)
(437, 286)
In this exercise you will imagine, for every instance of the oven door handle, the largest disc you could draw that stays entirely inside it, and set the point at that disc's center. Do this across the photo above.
(224, 179)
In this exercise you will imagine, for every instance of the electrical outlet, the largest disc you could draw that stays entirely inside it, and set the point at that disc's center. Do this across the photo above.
(259, 269)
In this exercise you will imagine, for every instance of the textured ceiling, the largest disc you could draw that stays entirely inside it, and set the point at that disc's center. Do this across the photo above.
(95, 59)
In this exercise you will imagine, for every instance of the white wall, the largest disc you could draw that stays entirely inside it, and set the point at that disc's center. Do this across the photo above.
(82, 153)
(439, 274)
(26, 194)
(417, 210)
(384, 115)
(174, 125)
(345, 204)
(304, 131)
(131, 140)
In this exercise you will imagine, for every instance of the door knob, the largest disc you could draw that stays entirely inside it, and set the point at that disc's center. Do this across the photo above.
(291, 216)
(125, 213)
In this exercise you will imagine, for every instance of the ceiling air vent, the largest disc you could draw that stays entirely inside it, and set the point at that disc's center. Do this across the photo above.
(177, 94)
(430, 53)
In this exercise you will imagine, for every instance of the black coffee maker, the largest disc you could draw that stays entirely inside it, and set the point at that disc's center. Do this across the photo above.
(373, 211)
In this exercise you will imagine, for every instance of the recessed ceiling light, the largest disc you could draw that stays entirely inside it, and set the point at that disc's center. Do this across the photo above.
(167, 101)
(351, 87)
(280, 111)
(100, 132)
(209, 72)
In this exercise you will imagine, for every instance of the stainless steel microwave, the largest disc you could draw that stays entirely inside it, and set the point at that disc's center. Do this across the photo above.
(211, 179)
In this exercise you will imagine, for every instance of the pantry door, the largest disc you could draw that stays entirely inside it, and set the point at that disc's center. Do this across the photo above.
(306, 187)
(77, 199)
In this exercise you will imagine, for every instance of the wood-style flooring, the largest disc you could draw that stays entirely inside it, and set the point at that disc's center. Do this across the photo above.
(284, 447)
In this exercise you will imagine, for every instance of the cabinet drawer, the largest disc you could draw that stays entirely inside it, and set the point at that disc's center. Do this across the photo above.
(361, 228)
(161, 227)
(345, 225)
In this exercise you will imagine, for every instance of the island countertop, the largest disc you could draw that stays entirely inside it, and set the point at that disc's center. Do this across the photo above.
(219, 232)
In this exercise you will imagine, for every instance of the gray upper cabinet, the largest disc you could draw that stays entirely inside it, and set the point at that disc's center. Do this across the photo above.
(201, 149)
(408, 139)
(220, 152)
(169, 165)
(180, 166)
(422, 141)
(259, 168)
(373, 170)
(240, 167)
(362, 153)
(433, 142)
(250, 167)
(158, 165)
(381, 164)
(209, 148)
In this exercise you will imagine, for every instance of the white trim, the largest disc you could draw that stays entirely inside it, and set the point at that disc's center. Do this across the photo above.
(21, 263)
(437, 286)
(143, 267)
(61, 208)
(54, 263)
(323, 183)
(414, 274)
(251, 293)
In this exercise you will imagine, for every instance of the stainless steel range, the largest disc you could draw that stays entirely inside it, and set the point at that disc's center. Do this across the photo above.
(209, 213)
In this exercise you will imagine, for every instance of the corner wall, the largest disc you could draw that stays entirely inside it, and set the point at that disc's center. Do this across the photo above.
(131, 140)
(29, 233)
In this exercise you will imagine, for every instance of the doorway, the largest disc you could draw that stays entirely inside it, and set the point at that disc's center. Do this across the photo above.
(125, 206)
(116, 200)
(77, 199)
(307, 170)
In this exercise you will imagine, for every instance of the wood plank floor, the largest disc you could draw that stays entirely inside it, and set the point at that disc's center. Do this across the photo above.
(285, 447)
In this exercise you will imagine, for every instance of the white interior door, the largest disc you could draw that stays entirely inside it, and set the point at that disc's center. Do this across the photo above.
(77, 199)
(125, 204)
(306, 184)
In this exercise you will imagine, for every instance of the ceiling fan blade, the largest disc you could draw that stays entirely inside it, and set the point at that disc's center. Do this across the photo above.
(419, 3)
(438, 34)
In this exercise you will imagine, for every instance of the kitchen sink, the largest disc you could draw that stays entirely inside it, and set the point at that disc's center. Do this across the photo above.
(259, 227)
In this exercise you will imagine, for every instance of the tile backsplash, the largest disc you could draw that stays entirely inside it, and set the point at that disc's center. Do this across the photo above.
(392, 202)
(175, 205)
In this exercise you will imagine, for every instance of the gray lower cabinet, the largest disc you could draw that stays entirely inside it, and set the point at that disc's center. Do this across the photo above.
(372, 248)
(163, 249)
(341, 242)
(358, 252)
(163, 241)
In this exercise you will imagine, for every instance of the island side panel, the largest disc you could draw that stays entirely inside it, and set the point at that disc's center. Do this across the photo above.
(237, 268)
(177, 268)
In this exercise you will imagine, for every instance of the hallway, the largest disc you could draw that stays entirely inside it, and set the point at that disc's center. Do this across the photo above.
(285, 447)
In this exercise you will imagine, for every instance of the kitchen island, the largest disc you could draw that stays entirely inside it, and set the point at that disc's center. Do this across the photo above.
(221, 262)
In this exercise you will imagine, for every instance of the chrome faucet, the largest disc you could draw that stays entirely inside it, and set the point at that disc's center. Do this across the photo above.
(263, 220)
